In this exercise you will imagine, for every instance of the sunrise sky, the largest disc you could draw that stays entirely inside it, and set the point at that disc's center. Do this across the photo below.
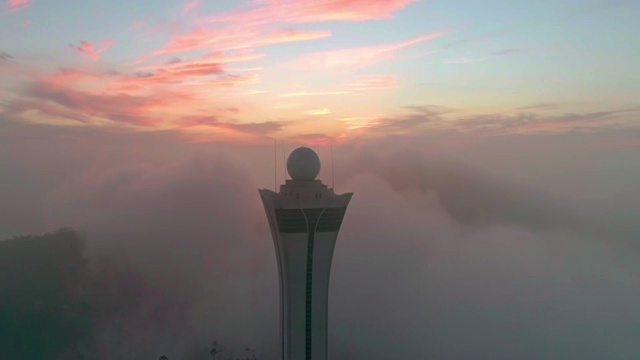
(320, 70)
(491, 146)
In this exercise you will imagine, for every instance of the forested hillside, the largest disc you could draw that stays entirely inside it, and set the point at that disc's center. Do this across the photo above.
(52, 301)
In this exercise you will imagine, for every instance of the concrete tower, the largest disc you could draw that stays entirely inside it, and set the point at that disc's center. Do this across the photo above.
(305, 217)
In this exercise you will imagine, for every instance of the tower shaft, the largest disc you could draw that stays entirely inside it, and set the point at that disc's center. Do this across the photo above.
(305, 218)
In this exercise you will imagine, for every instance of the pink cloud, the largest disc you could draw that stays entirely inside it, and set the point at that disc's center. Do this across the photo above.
(92, 97)
(281, 36)
(208, 69)
(358, 57)
(220, 57)
(160, 98)
(188, 77)
(101, 95)
(246, 29)
(253, 69)
(120, 108)
(253, 128)
(229, 80)
(201, 38)
(178, 74)
(17, 5)
(307, 11)
(234, 39)
(85, 48)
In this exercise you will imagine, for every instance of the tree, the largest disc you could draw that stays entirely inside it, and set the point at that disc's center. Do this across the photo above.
(42, 309)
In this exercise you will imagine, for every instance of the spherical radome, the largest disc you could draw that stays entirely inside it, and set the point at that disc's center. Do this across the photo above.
(303, 164)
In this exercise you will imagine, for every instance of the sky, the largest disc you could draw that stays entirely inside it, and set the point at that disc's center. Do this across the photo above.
(492, 148)
(310, 70)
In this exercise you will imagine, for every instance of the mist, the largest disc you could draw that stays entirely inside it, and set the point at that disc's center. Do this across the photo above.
(448, 249)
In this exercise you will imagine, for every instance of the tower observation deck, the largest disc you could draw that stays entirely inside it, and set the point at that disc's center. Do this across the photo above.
(305, 217)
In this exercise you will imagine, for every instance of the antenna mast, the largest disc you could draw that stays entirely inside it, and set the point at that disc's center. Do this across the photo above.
(275, 165)
(332, 176)
(284, 162)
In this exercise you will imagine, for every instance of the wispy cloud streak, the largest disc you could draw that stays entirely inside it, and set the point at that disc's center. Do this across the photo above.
(500, 124)
(98, 97)
(373, 82)
(314, 93)
(225, 39)
(311, 11)
(358, 57)
(317, 112)
(184, 71)
(5, 56)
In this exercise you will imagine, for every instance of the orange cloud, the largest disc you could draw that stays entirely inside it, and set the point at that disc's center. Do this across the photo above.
(254, 69)
(318, 139)
(315, 112)
(359, 122)
(17, 5)
(358, 57)
(373, 82)
(308, 11)
(85, 48)
(256, 92)
(314, 93)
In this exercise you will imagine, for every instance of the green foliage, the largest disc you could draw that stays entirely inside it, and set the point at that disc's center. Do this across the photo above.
(43, 307)
(53, 301)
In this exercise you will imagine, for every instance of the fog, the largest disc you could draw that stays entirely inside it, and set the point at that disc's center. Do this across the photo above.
(452, 247)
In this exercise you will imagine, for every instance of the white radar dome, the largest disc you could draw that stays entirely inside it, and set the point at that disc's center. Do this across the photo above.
(303, 164)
